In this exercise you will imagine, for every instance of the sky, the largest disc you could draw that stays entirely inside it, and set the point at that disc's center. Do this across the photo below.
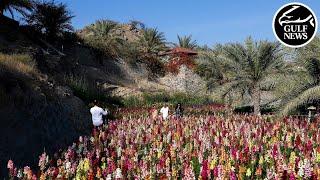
(208, 21)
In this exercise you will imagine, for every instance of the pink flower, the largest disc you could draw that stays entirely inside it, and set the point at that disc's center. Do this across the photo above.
(26, 170)
(292, 177)
(43, 160)
(10, 164)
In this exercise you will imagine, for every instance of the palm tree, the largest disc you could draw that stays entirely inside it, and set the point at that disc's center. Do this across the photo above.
(151, 42)
(250, 67)
(211, 67)
(186, 42)
(15, 5)
(303, 87)
(50, 18)
(102, 28)
(101, 36)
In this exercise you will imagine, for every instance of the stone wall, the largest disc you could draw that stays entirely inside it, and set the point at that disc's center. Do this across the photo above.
(185, 81)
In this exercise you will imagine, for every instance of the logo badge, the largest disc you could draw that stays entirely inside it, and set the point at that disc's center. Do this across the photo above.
(295, 25)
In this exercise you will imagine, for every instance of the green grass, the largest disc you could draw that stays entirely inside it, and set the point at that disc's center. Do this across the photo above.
(148, 99)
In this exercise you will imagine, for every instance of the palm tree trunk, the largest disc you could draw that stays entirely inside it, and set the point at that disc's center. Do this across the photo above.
(256, 99)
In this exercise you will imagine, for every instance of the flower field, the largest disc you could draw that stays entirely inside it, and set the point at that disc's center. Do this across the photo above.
(194, 147)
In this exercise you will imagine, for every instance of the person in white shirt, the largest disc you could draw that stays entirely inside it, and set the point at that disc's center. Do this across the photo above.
(97, 114)
(165, 111)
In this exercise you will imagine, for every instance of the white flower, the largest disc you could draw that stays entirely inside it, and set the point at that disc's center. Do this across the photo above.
(118, 173)
(109, 177)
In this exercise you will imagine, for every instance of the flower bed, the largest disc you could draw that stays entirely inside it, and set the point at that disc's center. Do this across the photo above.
(208, 147)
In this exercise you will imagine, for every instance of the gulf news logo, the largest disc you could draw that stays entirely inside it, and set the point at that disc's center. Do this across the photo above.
(295, 25)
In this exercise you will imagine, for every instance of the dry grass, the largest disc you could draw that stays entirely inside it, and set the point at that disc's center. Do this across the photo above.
(20, 63)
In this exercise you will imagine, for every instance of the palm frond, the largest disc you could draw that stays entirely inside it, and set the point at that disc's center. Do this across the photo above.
(186, 42)
(308, 96)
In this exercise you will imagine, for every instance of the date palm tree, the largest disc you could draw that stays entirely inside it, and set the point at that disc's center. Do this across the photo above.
(250, 67)
(151, 42)
(50, 18)
(101, 36)
(186, 42)
(303, 87)
(15, 5)
(102, 28)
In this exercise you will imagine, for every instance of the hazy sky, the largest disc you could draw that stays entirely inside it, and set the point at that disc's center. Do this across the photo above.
(208, 21)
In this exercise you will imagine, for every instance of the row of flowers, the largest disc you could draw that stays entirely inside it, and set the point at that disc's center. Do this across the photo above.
(193, 147)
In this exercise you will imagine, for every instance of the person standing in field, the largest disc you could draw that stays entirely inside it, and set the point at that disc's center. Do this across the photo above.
(165, 112)
(97, 114)
(179, 111)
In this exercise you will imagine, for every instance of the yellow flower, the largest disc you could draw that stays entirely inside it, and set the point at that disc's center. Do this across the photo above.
(159, 154)
(86, 164)
(318, 157)
(261, 160)
(213, 163)
(248, 173)
(292, 158)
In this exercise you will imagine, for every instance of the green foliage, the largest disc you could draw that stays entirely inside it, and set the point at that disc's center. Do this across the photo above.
(132, 101)
(302, 87)
(102, 28)
(50, 18)
(149, 99)
(88, 92)
(245, 69)
(211, 67)
(186, 42)
(100, 35)
(196, 166)
(151, 42)
(20, 6)
(131, 52)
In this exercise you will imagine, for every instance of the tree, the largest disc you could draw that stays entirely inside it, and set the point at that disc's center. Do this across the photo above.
(151, 42)
(186, 42)
(51, 19)
(211, 67)
(250, 67)
(100, 35)
(15, 5)
(102, 28)
(303, 87)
